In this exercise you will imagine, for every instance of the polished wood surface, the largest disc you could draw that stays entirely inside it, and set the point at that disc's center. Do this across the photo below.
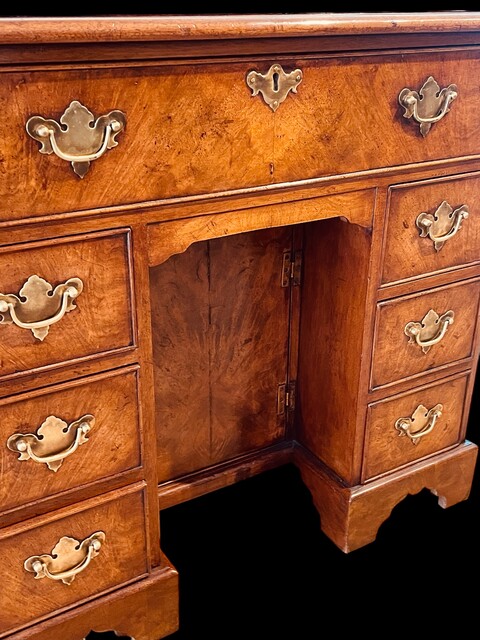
(122, 558)
(208, 316)
(407, 254)
(351, 517)
(396, 357)
(248, 276)
(386, 450)
(133, 611)
(173, 27)
(102, 320)
(113, 443)
(167, 133)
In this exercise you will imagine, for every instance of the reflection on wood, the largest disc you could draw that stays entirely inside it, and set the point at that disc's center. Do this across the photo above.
(220, 332)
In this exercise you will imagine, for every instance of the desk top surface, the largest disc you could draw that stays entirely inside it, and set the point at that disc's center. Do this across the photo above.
(148, 28)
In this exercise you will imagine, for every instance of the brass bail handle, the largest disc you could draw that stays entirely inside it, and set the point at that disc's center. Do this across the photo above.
(428, 105)
(69, 557)
(420, 423)
(79, 138)
(54, 441)
(431, 330)
(442, 225)
(37, 307)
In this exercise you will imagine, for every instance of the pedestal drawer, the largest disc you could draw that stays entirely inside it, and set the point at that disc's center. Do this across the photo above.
(63, 300)
(425, 331)
(414, 425)
(67, 436)
(67, 557)
(432, 226)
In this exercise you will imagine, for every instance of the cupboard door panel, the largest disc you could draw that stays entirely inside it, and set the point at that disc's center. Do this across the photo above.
(220, 321)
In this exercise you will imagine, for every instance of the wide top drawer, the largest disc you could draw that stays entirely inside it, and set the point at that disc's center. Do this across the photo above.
(77, 139)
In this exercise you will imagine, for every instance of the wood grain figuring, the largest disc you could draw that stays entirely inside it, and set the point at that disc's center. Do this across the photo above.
(113, 443)
(386, 450)
(183, 332)
(200, 27)
(351, 516)
(408, 255)
(333, 298)
(122, 557)
(179, 119)
(102, 321)
(146, 396)
(396, 358)
(182, 118)
(169, 238)
(220, 338)
(132, 611)
(346, 116)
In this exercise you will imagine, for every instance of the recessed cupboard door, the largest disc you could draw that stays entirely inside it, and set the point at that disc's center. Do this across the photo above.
(220, 320)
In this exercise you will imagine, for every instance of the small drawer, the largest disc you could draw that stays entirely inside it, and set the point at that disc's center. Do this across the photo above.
(432, 226)
(420, 333)
(64, 300)
(99, 545)
(414, 425)
(67, 436)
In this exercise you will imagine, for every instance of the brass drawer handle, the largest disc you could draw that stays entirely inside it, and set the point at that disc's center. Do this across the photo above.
(431, 330)
(41, 307)
(423, 419)
(54, 441)
(441, 225)
(429, 105)
(275, 85)
(81, 139)
(69, 558)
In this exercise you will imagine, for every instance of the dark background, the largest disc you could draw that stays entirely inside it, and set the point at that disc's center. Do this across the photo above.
(252, 560)
(254, 564)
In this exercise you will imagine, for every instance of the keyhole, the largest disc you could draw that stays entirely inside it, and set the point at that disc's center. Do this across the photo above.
(275, 81)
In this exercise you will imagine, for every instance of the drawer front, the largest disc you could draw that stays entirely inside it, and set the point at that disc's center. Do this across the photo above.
(77, 289)
(68, 436)
(194, 129)
(444, 318)
(347, 116)
(112, 538)
(189, 129)
(412, 426)
(432, 226)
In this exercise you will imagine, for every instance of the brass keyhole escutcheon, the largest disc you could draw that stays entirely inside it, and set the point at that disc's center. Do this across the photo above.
(275, 85)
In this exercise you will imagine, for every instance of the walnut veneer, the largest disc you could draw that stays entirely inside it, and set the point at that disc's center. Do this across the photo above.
(227, 243)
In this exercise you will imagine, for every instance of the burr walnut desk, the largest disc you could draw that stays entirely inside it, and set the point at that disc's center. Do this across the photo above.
(226, 244)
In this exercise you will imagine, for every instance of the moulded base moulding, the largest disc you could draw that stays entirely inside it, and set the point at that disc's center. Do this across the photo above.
(351, 516)
(145, 610)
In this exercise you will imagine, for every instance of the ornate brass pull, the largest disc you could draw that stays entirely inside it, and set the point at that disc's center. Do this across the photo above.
(441, 225)
(82, 139)
(424, 420)
(54, 441)
(429, 105)
(275, 85)
(430, 331)
(69, 558)
(41, 307)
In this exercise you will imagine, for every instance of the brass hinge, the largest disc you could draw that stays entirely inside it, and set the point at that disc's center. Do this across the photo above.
(291, 268)
(286, 397)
